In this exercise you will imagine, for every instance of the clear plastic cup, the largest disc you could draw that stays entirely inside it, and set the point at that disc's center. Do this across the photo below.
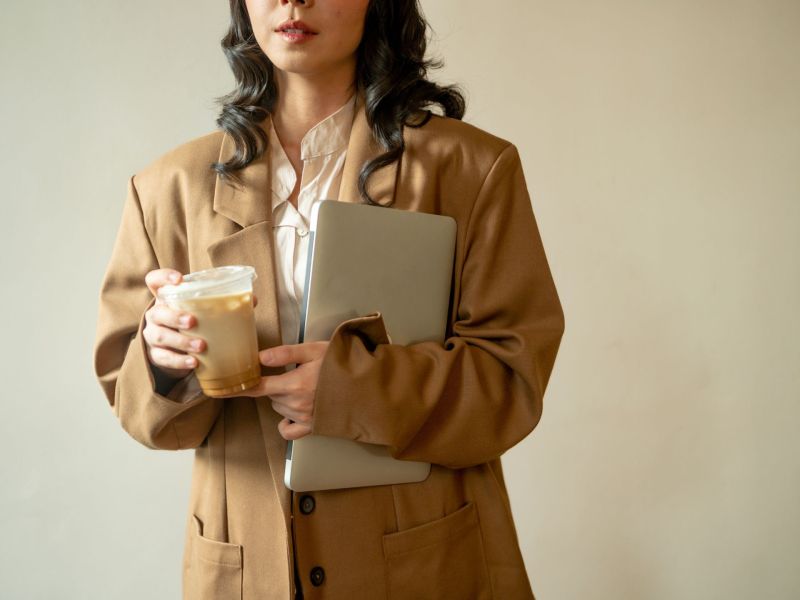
(221, 299)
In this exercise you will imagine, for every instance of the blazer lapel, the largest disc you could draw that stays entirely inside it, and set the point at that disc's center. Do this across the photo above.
(249, 204)
(361, 148)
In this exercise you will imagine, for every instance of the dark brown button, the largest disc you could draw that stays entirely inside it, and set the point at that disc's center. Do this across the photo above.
(317, 576)
(307, 504)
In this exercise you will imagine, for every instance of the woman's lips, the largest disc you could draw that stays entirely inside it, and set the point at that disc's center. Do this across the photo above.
(296, 36)
(295, 31)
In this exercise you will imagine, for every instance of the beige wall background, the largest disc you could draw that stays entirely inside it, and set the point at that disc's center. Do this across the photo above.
(661, 142)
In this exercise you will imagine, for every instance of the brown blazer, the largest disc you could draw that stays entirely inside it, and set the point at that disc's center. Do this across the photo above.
(458, 405)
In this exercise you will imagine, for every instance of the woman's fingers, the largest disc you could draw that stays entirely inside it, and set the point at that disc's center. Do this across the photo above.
(167, 348)
(159, 336)
(287, 411)
(166, 358)
(158, 278)
(297, 412)
(162, 314)
(279, 356)
(277, 386)
(293, 431)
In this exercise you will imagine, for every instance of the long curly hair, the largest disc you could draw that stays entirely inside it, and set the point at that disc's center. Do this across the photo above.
(391, 70)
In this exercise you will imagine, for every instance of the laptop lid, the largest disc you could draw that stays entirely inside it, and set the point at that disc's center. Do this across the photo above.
(364, 258)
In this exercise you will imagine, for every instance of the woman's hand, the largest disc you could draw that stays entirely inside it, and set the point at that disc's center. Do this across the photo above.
(167, 348)
(292, 393)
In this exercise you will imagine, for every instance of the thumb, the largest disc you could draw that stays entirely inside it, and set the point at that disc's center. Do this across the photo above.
(158, 278)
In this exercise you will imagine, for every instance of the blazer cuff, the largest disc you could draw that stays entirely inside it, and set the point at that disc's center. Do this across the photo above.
(336, 398)
(153, 418)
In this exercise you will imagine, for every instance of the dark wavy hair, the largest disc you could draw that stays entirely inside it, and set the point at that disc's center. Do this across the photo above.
(391, 70)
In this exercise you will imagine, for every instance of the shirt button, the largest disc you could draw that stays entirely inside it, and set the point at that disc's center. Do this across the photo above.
(307, 504)
(317, 576)
(302, 232)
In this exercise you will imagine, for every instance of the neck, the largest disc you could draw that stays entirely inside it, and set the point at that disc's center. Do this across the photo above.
(303, 101)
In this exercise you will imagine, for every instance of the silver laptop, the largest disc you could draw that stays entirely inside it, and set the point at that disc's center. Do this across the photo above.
(361, 259)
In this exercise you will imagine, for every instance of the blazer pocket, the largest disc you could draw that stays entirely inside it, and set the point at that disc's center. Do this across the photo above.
(215, 568)
(440, 559)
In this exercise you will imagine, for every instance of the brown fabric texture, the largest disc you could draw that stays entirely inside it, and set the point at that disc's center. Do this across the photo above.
(458, 405)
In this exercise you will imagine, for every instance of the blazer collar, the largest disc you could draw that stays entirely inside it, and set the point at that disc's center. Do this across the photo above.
(249, 202)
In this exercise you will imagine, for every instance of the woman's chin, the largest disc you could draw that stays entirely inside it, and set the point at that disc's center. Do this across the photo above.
(302, 63)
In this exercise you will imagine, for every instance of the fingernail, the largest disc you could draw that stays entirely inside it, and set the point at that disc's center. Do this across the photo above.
(266, 356)
(196, 345)
(174, 277)
(190, 362)
(184, 321)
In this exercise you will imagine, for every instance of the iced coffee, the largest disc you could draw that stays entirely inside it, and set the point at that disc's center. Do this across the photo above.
(221, 299)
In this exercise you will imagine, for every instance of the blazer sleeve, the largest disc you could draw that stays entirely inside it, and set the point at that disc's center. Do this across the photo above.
(179, 418)
(468, 400)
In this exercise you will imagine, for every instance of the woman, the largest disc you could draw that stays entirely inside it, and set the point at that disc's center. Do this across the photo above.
(332, 101)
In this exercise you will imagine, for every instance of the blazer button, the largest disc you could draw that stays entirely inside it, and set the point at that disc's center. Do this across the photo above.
(307, 504)
(317, 576)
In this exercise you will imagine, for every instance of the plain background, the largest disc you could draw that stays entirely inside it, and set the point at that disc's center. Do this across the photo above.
(661, 144)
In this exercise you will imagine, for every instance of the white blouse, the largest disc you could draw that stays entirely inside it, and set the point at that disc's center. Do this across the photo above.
(322, 150)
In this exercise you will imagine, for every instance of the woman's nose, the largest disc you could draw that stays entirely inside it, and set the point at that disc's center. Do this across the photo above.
(306, 3)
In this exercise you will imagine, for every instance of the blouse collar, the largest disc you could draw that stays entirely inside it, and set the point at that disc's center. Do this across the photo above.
(328, 136)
